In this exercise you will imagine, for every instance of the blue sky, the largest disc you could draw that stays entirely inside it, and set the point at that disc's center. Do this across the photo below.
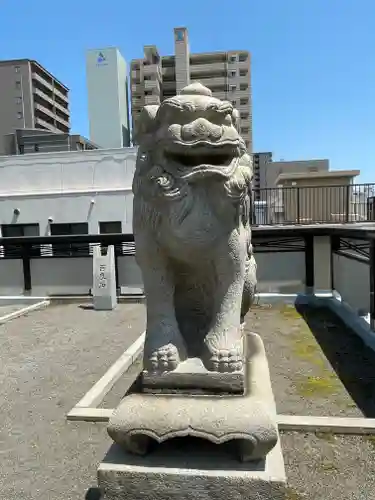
(313, 61)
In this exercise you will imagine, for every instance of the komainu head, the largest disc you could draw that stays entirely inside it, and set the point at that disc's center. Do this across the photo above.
(192, 134)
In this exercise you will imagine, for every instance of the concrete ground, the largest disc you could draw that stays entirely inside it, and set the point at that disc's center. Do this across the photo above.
(50, 358)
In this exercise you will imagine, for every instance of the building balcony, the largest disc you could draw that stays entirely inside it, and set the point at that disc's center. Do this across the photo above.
(152, 99)
(152, 85)
(47, 85)
(137, 89)
(153, 70)
(213, 81)
(207, 67)
(51, 101)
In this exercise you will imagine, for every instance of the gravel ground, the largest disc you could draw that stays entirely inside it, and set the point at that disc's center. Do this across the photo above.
(318, 366)
(327, 467)
(49, 359)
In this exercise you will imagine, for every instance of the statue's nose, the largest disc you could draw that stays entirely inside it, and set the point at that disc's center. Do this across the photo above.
(200, 129)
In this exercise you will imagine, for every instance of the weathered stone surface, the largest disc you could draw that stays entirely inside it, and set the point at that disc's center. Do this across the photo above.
(192, 374)
(104, 279)
(249, 419)
(191, 222)
(194, 471)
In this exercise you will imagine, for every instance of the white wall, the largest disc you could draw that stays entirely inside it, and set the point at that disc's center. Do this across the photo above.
(281, 272)
(83, 186)
(352, 280)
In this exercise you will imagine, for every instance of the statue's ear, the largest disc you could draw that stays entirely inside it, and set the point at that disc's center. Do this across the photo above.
(236, 119)
(145, 123)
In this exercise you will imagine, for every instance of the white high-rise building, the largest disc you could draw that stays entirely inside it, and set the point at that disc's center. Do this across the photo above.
(107, 88)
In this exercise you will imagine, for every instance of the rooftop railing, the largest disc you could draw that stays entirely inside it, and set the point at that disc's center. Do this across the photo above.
(314, 204)
(291, 259)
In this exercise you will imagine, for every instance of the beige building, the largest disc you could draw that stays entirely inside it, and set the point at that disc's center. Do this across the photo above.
(31, 98)
(274, 169)
(226, 74)
(321, 196)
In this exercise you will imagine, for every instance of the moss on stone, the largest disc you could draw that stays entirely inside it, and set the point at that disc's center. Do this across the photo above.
(326, 436)
(328, 466)
(320, 386)
(370, 438)
(289, 311)
(292, 494)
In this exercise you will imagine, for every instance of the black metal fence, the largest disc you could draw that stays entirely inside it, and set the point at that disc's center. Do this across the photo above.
(314, 204)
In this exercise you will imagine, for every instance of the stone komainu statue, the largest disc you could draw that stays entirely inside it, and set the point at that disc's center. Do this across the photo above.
(192, 214)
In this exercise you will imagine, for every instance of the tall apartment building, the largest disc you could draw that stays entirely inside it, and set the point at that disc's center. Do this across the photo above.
(260, 165)
(107, 87)
(31, 97)
(226, 74)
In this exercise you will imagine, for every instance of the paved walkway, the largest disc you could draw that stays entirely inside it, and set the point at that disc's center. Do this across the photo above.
(48, 361)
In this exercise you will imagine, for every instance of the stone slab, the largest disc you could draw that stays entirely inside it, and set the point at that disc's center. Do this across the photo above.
(192, 374)
(249, 419)
(190, 471)
(104, 279)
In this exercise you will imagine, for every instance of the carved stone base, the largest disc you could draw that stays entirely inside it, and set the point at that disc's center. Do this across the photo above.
(249, 419)
(190, 471)
(192, 374)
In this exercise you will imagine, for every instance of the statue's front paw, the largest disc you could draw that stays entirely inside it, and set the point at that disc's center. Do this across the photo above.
(163, 359)
(224, 360)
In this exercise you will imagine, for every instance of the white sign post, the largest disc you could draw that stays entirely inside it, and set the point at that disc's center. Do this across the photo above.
(104, 279)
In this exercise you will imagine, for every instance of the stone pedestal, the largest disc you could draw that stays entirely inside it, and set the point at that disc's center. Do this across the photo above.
(104, 279)
(248, 419)
(191, 374)
(195, 470)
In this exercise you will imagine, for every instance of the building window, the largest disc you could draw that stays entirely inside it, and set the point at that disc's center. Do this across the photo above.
(244, 116)
(234, 103)
(242, 57)
(243, 72)
(233, 58)
(111, 227)
(68, 248)
(244, 100)
(17, 69)
(36, 148)
(244, 86)
(233, 88)
(19, 115)
(18, 100)
(244, 130)
(232, 74)
(17, 231)
(18, 84)
(179, 36)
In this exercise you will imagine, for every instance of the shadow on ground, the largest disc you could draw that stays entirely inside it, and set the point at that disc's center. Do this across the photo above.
(352, 360)
(93, 494)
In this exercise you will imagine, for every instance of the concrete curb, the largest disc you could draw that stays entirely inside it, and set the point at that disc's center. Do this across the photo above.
(24, 310)
(346, 313)
(96, 394)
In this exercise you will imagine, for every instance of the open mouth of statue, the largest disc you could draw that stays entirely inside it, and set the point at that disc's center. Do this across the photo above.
(195, 160)
(194, 156)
